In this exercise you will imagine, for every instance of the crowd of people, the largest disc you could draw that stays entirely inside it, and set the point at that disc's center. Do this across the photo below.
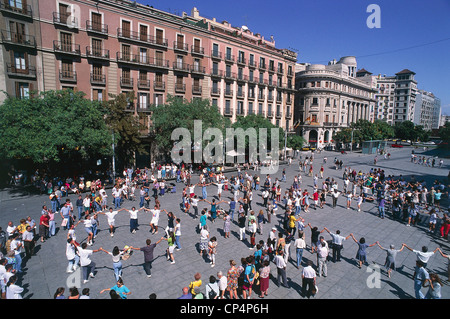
(284, 205)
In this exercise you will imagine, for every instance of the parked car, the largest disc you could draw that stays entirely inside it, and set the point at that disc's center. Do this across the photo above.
(397, 145)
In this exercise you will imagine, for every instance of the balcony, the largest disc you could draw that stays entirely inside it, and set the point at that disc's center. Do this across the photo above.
(228, 92)
(197, 50)
(126, 82)
(240, 112)
(102, 54)
(241, 61)
(216, 73)
(215, 91)
(252, 64)
(180, 88)
(261, 97)
(288, 115)
(228, 112)
(196, 89)
(18, 39)
(66, 48)
(98, 79)
(251, 95)
(159, 86)
(270, 98)
(68, 76)
(278, 115)
(240, 94)
(269, 114)
(143, 84)
(95, 27)
(230, 75)
(198, 69)
(65, 20)
(159, 63)
(216, 55)
(144, 38)
(22, 11)
(29, 72)
(181, 67)
(242, 78)
(279, 99)
(262, 67)
(180, 46)
(229, 58)
(142, 108)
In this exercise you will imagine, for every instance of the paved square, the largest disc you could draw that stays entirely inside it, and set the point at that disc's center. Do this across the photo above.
(47, 270)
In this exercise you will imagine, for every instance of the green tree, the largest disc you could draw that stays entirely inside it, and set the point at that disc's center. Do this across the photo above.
(181, 113)
(295, 142)
(407, 130)
(125, 126)
(444, 134)
(53, 126)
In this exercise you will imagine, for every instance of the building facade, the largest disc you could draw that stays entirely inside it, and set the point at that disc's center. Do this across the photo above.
(330, 98)
(396, 97)
(427, 111)
(107, 47)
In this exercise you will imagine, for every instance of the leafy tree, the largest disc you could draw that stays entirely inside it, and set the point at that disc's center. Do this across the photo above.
(407, 130)
(53, 126)
(126, 127)
(295, 142)
(181, 113)
(444, 134)
(257, 121)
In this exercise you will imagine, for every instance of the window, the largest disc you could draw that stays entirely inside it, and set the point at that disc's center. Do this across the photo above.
(260, 108)
(227, 107)
(159, 58)
(215, 51)
(197, 48)
(314, 118)
(66, 41)
(240, 107)
(96, 21)
(143, 33)
(97, 95)
(250, 107)
(97, 73)
(158, 99)
(215, 103)
(96, 47)
(143, 55)
(20, 62)
(240, 73)
(23, 90)
(64, 12)
(18, 33)
(241, 57)
(160, 36)
(67, 69)
(215, 68)
(315, 101)
(228, 71)
(143, 100)
(126, 52)
(262, 62)
(250, 75)
(126, 28)
(229, 56)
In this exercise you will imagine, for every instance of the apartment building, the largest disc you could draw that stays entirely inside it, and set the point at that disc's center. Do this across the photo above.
(396, 97)
(104, 47)
(427, 110)
(330, 98)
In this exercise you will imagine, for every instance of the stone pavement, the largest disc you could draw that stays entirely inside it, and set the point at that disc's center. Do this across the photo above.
(46, 271)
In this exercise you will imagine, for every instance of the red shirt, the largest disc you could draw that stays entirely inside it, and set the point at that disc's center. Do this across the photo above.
(44, 220)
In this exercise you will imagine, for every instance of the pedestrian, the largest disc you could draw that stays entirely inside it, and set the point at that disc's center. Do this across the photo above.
(16, 249)
(241, 223)
(421, 276)
(110, 215)
(73, 293)
(116, 255)
(232, 280)
(28, 242)
(226, 225)
(264, 275)
(204, 241)
(300, 245)
(171, 243)
(87, 265)
(361, 254)
(134, 222)
(177, 232)
(212, 250)
(148, 255)
(13, 291)
(120, 289)
(423, 255)
(44, 226)
(59, 293)
(71, 255)
(389, 264)
(249, 277)
(195, 285)
(212, 288)
(337, 244)
(222, 283)
(435, 285)
(322, 255)
(308, 280)
(281, 269)
(85, 294)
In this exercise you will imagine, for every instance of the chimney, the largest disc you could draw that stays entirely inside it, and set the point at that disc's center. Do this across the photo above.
(195, 13)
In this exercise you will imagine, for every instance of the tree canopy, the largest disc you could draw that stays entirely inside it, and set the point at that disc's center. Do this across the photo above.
(52, 126)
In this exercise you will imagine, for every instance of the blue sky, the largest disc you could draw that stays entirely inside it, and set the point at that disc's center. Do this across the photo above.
(323, 30)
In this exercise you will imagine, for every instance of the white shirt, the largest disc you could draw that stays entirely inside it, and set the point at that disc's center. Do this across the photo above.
(300, 243)
(10, 230)
(177, 230)
(309, 272)
(222, 283)
(279, 261)
(85, 255)
(155, 214)
(14, 244)
(14, 292)
(110, 215)
(70, 251)
(133, 214)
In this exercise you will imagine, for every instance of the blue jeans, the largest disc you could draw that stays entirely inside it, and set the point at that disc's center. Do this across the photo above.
(54, 205)
(141, 203)
(417, 287)
(117, 270)
(51, 228)
(95, 229)
(177, 242)
(73, 262)
(231, 213)
(116, 202)
(178, 178)
(80, 211)
(204, 194)
(299, 256)
(18, 264)
(381, 211)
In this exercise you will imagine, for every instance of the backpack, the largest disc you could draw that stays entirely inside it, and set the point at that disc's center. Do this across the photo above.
(212, 294)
